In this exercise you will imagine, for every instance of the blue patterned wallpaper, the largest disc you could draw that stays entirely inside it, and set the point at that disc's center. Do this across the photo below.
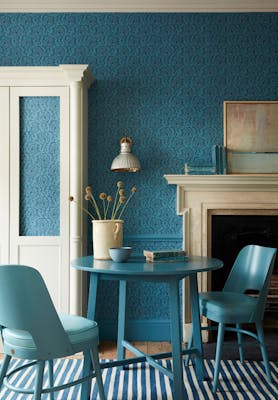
(39, 166)
(161, 79)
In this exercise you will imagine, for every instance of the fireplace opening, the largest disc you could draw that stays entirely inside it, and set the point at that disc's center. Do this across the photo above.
(229, 234)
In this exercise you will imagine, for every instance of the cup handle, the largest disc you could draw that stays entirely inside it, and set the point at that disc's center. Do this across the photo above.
(117, 230)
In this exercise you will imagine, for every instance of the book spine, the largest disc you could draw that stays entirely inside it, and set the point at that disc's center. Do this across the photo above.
(220, 159)
(216, 158)
(166, 259)
(163, 254)
(213, 157)
(224, 160)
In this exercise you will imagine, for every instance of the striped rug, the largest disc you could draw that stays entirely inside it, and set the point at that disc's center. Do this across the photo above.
(141, 382)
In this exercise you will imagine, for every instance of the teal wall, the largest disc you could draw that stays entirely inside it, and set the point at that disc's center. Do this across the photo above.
(161, 79)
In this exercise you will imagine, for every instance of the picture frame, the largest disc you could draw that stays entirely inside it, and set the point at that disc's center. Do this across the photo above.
(251, 137)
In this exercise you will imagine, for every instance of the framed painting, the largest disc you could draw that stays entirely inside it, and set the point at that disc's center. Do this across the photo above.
(251, 137)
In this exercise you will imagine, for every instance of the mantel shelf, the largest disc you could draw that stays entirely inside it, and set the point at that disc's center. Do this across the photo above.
(262, 182)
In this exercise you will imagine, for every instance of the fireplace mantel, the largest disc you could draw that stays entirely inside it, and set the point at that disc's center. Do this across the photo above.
(221, 183)
(225, 182)
(200, 197)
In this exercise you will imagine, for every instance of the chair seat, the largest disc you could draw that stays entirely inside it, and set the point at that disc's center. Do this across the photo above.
(32, 330)
(227, 307)
(81, 332)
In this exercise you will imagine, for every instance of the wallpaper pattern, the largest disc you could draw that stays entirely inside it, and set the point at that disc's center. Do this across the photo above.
(161, 79)
(39, 166)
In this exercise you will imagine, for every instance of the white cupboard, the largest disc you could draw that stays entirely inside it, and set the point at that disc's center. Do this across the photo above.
(65, 88)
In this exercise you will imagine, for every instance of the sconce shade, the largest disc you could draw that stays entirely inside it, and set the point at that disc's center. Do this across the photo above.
(125, 161)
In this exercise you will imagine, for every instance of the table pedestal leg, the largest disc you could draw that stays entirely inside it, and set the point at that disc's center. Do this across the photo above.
(121, 320)
(197, 338)
(86, 387)
(178, 385)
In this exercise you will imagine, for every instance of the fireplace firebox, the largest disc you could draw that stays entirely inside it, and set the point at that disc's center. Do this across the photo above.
(230, 233)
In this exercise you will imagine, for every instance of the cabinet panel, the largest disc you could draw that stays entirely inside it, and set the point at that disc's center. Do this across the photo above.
(45, 256)
(32, 183)
(39, 165)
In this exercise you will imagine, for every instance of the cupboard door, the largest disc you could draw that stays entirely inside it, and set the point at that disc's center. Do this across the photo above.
(39, 185)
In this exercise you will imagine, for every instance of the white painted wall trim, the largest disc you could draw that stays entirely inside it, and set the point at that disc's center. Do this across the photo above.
(139, 6)
(63, 74)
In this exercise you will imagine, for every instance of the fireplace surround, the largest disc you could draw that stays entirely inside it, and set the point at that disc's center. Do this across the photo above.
(201, 197)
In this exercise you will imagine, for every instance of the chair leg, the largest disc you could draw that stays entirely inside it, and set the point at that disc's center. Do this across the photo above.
(260, 333)
(87, 366)
(39, 380)
(95, 362)
(5, 366)
(189, 345)
(219, 345)
(240, 344)
(50, 377)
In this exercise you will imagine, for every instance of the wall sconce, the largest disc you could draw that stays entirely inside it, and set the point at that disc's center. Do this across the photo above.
(125, 161)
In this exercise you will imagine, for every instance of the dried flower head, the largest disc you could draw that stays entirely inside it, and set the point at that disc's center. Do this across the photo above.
(109, 212)
(88, 189)
(120, 184)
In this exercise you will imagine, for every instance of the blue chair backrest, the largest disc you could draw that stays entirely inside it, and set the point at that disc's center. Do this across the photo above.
(252, 271)
(25, 304)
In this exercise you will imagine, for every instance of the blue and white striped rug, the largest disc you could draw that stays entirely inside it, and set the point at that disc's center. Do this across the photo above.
(141, 382)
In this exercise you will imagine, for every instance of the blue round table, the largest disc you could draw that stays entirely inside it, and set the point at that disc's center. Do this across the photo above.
(170, 272)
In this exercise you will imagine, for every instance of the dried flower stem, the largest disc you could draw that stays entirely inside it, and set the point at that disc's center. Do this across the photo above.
(119, 186)
(109, 200)
(95, 205)
(81, 208)
(114, 205)
(133, 191)
(116, 210)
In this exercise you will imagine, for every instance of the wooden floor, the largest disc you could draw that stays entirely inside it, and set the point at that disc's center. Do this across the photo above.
(108, 349)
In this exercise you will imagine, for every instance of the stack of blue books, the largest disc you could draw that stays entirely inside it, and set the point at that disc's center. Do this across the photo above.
(164, 255)
(218, 166)
(219, 159)
(194, 169)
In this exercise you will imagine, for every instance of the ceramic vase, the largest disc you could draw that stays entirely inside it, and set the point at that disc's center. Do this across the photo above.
(106, 234)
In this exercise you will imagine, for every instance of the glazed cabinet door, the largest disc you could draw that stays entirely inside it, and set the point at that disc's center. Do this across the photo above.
(43, 160)
(39, 185)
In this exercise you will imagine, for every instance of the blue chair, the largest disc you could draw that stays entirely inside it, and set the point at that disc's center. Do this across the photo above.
(32, 330)
(251, 272)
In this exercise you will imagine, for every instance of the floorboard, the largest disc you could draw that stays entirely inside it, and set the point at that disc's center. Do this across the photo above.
(108, 350)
